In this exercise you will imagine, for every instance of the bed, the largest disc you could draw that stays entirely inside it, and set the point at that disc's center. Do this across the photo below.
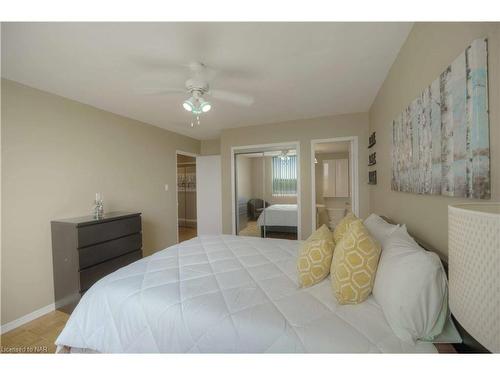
(223, 294)
(278, 218)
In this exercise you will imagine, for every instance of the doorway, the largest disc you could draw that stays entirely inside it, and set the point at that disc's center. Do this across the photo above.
(186, 197)
(266, 191)
(334, 182)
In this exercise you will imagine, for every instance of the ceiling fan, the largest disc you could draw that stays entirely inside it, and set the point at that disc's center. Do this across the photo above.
(198, 88)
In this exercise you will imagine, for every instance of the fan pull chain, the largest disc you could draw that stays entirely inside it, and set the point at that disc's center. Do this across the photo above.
(197, 120)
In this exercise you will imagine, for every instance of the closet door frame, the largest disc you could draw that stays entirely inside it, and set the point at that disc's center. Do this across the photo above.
(353, 172)
(249, 148)
(185, 153)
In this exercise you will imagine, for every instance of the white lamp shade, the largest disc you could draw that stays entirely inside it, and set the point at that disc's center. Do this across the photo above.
(474, 270)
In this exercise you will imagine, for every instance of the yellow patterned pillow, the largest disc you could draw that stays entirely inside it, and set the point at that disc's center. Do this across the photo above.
(321, 233)
(354, 265)
(315, 257)
(343, 226)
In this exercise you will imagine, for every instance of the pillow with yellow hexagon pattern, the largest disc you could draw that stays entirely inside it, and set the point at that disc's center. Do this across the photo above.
(342, 227)
(354, 264)
(321, 232)
(315, 257)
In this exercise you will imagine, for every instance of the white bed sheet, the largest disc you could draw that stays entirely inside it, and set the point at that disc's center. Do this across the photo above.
(224, 294)
(279, 215)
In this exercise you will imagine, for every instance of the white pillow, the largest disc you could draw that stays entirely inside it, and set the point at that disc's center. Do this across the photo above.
(379, 228)
(411, 288)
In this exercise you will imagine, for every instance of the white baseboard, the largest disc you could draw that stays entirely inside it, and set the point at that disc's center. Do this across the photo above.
(68, 300)
(27, 318)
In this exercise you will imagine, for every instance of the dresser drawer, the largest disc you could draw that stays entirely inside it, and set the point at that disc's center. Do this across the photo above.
(92, 255)
(95, 233)
(90, 275)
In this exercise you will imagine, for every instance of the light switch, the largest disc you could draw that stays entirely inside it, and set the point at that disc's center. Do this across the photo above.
(166, 187)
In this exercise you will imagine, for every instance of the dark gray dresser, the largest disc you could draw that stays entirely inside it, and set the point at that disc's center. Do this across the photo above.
(85, 250)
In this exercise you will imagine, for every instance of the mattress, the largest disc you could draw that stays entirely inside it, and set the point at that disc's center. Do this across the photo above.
(224, 294)
(279, 215)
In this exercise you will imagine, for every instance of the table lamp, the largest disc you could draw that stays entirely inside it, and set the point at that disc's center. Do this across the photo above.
(474, 270)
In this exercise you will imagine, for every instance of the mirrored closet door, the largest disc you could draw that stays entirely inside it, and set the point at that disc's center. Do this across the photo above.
(266, 183)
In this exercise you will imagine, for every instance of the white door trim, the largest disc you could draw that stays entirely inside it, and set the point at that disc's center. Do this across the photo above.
(353, 170)
(234, 151)
(185, 153)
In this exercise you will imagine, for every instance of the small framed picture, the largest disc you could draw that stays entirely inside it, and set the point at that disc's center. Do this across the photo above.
(372, 159)
(372, 140)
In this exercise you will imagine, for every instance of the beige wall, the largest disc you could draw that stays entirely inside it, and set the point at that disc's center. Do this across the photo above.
(244, 177)
(302, 131)
(1, 208)
(210, 147)
(430, 47)
(257, 183)
(56, 154)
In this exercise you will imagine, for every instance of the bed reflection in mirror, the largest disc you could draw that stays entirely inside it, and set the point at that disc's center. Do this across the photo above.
(266, 192)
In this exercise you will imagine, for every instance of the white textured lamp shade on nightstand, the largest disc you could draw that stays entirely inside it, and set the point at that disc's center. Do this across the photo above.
(474, 270)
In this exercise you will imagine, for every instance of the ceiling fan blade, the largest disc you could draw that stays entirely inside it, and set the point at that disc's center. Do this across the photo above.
(240, 99)
(158, 63)
(167, 91)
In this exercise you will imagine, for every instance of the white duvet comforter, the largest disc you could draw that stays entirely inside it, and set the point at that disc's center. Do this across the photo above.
(224, 294)
(279, 215)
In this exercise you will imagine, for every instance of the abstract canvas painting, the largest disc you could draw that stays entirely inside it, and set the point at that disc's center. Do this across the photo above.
(440, 142)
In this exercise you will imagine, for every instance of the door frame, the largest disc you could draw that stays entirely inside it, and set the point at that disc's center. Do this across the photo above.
(249, 148)
(353, 172)
(185, 153)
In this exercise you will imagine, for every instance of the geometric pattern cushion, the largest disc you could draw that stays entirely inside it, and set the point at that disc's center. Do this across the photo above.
(343, 226)
(354, 265)
(315, 257)
(321, 233)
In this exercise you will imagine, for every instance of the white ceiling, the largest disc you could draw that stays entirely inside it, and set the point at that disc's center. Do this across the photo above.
(293, 70)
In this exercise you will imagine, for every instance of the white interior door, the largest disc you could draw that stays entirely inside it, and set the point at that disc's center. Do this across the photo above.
(209, 194)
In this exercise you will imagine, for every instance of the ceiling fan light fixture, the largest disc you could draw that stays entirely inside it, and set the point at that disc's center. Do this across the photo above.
(188, 105)
(205, 106)
(198, 86)
(284, 155)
